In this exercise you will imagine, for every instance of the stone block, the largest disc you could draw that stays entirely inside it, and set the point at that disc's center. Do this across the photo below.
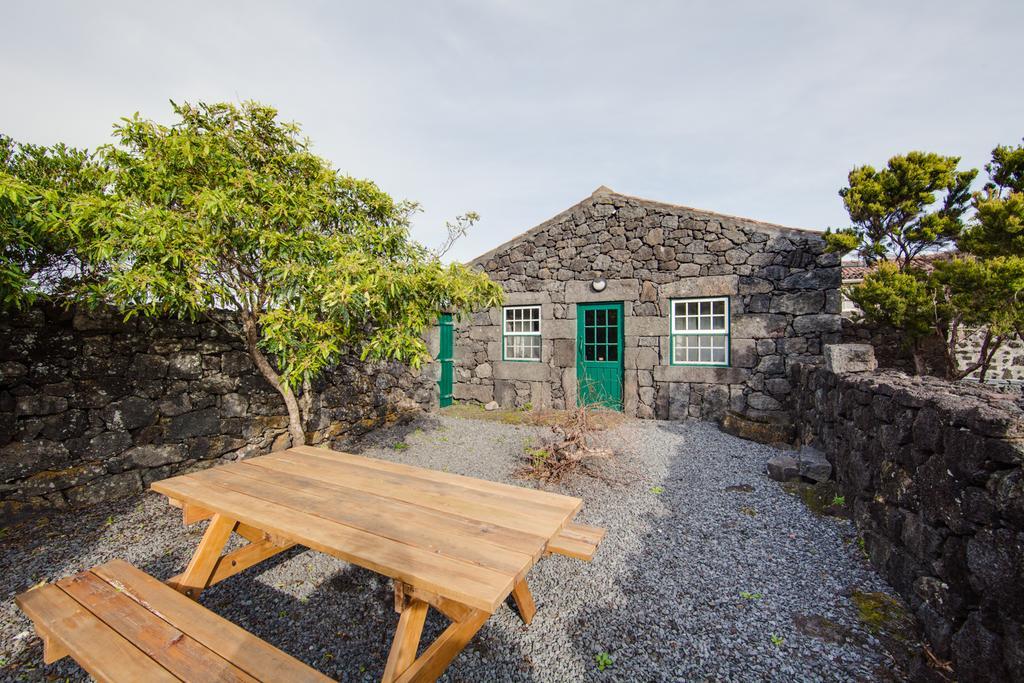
(630, 395)
(758, 325)
(813, 464)
(678, 400)
(185, 365)
(505, 393)
(563, 353)
(700, 374)
(817, 323)
(783, 468)
(843, 358)
(129, 413)
(761, 431)
(798, 303)
(197, 423)
(481, 393)
(615, 290)
(709, 285)
(522, 370)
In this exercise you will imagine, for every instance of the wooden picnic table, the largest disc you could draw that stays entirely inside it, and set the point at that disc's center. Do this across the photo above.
(455, 543)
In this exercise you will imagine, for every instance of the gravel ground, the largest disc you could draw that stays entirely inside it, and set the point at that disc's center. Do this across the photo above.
(662, 597)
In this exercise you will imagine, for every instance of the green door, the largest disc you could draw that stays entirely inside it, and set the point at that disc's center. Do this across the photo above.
(599, 354)
(446, 356)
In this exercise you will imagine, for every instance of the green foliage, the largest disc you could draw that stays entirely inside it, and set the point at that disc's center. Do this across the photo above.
(839, 500)
(998, 225)
(747, 595)
(38, 255)
(603, 661)
(901, 300)
(400, 446)
(985, 295)
(915, 204)
(657, 490)
(777, 640)
(229, 208)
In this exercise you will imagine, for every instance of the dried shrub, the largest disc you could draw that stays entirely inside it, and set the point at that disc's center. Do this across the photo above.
(572, 445)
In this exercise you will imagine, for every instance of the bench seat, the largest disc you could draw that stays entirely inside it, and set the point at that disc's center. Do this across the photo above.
(120, 624)
(577, 540)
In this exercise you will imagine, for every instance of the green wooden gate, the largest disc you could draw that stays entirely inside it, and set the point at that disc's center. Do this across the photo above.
(446, 357)
(599, 354)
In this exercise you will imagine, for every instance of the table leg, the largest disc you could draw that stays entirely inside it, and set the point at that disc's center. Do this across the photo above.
(200, 569)
(403, 665)
(524, 601)
(407, 639)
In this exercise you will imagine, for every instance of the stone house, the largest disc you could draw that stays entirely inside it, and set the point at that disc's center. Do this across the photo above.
(655, 309)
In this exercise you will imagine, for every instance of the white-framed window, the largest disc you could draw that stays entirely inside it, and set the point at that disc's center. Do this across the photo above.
(700, 331)
(521, 332)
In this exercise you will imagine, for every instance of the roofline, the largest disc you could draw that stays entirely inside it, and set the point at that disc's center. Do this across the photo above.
(606, 191)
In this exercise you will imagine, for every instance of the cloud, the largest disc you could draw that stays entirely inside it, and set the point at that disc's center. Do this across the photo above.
(519, 109)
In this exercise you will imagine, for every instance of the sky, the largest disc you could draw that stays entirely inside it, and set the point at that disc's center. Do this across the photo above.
(519, 109)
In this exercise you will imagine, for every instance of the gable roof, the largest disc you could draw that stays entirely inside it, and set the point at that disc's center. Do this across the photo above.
(605, 191)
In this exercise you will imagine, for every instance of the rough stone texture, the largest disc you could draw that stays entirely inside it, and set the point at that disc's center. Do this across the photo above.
(842, 358)
(934, 473)
(782, 289)
(94, 408)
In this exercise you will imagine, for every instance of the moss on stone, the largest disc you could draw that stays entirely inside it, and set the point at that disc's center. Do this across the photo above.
(824, 499)
(884, 615)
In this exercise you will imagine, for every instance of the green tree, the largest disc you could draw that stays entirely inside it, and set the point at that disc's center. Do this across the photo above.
(998, 225)
(38, 255)
(900, 300)
(977, 297)
(229, 208)
(914, 205)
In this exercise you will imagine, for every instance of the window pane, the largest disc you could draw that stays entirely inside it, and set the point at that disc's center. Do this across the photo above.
(613, 318)
(588, 335)
(588, 319)
(589, 352)
(718, 322)
(705, 307)
(601, 335)
(599, 319)
(613, 352)
(719, 308)
(718, 355)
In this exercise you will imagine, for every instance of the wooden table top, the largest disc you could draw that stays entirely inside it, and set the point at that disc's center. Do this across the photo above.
(466, 539)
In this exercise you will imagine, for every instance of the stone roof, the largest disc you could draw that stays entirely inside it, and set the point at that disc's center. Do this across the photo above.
(605, 191)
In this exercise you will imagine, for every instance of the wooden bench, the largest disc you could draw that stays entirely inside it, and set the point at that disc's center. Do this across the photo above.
(577, 540)
(120, 624)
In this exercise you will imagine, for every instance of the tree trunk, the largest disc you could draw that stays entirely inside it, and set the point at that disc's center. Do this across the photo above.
(295, 430)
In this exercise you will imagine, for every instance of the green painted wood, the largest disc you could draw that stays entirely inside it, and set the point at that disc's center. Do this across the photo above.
(446, 356)
(599, 354)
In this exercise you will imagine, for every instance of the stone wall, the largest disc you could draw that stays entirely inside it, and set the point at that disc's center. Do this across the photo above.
(934, 473)
(93, 408)
(782, 287)
(1007, 365)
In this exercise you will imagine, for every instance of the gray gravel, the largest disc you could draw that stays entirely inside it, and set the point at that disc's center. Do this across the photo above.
(662, 597)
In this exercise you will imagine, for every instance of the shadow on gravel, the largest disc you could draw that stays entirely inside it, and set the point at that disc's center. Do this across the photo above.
(391, 435)
(343, 627)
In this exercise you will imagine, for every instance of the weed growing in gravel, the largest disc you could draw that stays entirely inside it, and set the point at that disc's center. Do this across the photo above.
(400, 446)
(604, 660)
(657, 490)
(747, 595)
(110, 520)
(863, 547)
(777, 640)
(570, 448)
(839, 501)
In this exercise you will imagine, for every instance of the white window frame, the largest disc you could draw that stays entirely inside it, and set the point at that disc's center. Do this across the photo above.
(713, 332)
(506, 334)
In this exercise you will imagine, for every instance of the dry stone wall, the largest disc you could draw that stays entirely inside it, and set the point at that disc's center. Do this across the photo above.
(783, 292)
(934, 472)
(94, 408)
